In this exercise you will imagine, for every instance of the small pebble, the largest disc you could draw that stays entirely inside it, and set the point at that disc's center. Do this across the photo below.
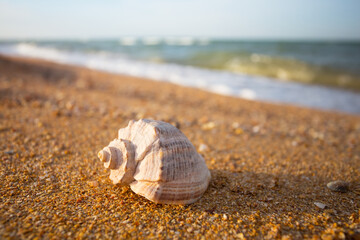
(338, 186)
(93, 183)
(208, 126)
(203, 147)
(320, 205)
(239, 131)
(235, 125)
(10, 152)
(256, 129)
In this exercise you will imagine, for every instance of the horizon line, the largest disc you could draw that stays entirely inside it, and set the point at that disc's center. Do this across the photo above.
(158, 37)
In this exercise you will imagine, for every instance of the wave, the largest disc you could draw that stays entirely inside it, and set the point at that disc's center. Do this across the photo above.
(128, 41)
(221, 82)
(280, 68)
(170, 41)
(184, 41)
(150, 41)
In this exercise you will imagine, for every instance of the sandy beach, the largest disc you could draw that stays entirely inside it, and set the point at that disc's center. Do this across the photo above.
(270, 164)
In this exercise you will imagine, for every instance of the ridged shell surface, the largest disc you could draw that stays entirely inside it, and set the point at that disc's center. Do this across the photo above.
(163, 164)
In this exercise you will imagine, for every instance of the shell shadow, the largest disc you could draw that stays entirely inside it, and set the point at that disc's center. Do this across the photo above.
(249, 192)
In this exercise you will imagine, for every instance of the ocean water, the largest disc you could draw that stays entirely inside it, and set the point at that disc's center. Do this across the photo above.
(324, 75)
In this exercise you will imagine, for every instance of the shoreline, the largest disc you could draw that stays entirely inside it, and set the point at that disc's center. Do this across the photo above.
(243, 86)
(269, 163)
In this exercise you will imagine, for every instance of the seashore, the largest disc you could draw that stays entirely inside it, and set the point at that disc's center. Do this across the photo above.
(270, 164)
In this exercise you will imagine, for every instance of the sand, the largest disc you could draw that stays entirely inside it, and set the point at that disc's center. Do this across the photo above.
(269, 163)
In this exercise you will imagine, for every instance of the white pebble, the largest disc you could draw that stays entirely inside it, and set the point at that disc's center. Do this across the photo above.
(256, 129)
(203, 147)
(320, 205)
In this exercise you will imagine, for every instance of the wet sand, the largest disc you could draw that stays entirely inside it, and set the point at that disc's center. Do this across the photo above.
(269, 163)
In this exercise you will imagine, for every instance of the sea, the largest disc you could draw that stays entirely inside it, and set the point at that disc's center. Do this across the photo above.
(316, 74)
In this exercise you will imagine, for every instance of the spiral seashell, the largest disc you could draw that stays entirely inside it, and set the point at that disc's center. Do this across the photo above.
(157, 161)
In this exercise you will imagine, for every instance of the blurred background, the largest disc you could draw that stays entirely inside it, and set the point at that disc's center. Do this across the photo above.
(299, 52)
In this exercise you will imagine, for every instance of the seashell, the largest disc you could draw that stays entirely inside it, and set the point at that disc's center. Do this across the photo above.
(157, 161)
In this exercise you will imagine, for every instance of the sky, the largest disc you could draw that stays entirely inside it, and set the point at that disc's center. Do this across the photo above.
(252, 19)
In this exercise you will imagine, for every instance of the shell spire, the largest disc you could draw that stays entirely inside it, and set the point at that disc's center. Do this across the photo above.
(157, 161)
(118, 156)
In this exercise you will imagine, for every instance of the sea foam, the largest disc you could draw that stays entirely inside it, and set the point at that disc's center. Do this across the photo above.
(221, 82)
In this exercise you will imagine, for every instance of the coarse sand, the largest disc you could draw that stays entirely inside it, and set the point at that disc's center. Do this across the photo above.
(270, 164)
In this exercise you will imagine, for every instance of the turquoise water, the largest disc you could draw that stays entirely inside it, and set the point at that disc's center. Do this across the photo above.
(334, 64)
(323, 75)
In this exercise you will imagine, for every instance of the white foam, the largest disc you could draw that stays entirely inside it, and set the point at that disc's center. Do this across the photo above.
(239, 85)
(151, 41)
(247, 94)
(183, 41)
(128, 41)
(29, 49)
